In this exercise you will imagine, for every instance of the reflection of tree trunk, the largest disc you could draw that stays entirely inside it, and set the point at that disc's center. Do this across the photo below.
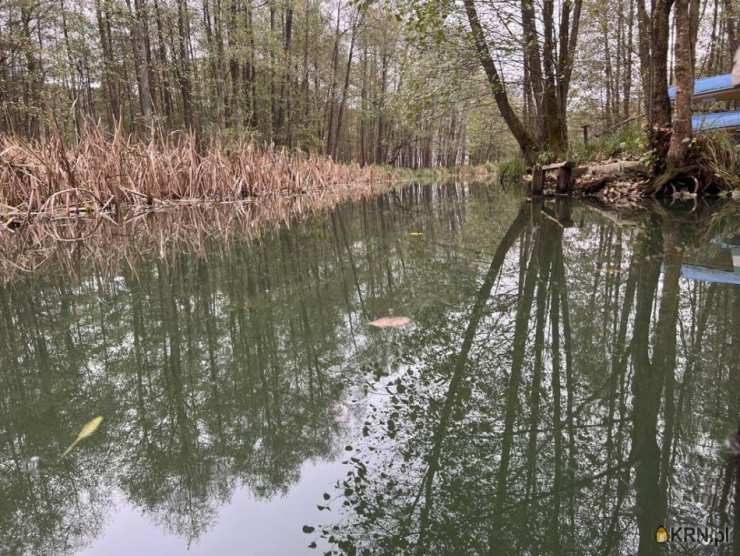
(459, 372)
(208, 315)
(337, 217)
(314, 366)
(617, 386)
(736, 524)
(604, 239)
(696, 348)
(665, 341)
(730, 476)
(557, 285)
(569, 381)
(619, 358)
(544, 252)
(646, 389)
(521, 327)
(139, 334)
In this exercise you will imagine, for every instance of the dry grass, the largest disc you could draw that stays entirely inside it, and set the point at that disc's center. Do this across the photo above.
(100, 174)
(113, 200)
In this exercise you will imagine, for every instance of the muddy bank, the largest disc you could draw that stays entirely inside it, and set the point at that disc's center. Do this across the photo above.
(619, 181)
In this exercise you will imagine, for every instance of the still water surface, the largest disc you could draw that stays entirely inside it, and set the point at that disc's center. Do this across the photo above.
(567, 386)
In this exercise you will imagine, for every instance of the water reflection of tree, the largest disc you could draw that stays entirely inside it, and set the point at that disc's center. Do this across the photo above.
(565, 415)
(210, 372)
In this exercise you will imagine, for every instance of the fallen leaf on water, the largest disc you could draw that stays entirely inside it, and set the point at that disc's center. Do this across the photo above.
(86, 431)
(390, 322)
(416, 234)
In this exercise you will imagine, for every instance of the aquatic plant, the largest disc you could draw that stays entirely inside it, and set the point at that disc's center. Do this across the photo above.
(511, 170)
(101, 172)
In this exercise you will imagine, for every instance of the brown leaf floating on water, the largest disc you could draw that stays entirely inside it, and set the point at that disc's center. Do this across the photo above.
(390, 322)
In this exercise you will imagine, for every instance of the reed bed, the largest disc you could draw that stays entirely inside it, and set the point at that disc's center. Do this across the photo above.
(100, 173)
(114, 199)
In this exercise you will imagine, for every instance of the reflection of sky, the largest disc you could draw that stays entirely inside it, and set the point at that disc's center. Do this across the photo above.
(245, 525)
(719, 262)
(240, 523)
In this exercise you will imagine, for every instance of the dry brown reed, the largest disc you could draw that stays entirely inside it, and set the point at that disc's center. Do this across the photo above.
(46, 178)
(115, 199)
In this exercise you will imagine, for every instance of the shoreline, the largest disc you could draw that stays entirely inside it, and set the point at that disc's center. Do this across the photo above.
(619, 181)
(99, 175)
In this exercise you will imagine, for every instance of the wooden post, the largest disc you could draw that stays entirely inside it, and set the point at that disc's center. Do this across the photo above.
(538, 180)
(565, 178)
(585, 135)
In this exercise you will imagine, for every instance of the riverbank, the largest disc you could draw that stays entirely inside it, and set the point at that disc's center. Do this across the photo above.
(621, 180)
(617, 167)
(104, 174)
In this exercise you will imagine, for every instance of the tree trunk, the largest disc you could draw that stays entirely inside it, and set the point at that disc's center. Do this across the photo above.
(363, 108)
(345, 88)
(163, 64)
(684, 87)
(533, 67)
(607, 70)
(554, 128)
(522, 136)
(659, 114)
(232, 101)
(627, 91)
(305, 84)
(333, 85)
(568, 42)
(108, 66)
(731, 23)
(273, 100)
(285, 96)
(251, 69)
(184, 64)
(138, 48)
(709, 63)
(381, 140)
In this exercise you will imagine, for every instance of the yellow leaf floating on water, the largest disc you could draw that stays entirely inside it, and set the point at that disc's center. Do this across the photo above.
(416, 234)
(86, 431)
(390, 322)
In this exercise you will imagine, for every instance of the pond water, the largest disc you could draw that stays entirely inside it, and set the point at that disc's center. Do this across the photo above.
(568, 384)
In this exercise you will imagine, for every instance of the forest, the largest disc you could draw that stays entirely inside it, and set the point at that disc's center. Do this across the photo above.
(355, 277)
(414, 83)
